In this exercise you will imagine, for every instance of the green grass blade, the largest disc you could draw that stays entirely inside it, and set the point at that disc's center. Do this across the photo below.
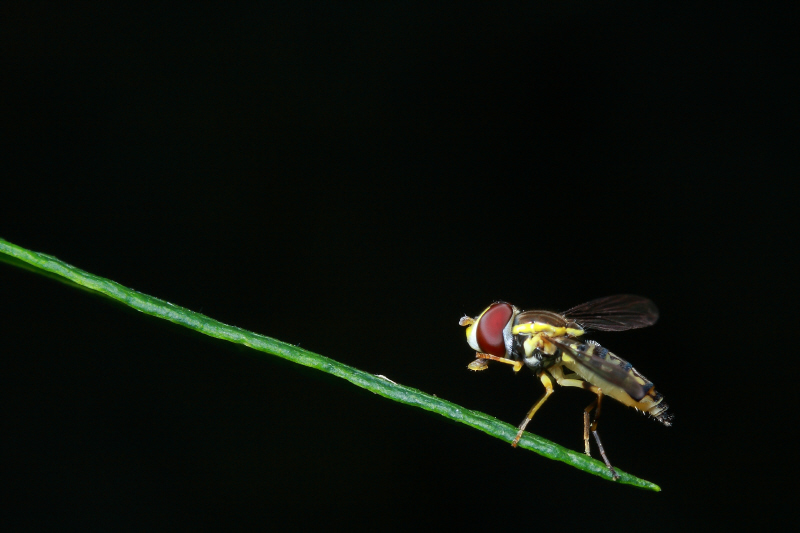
(400, 393)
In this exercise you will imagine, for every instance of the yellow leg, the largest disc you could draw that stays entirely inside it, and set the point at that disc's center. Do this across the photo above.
(516, 364)
(548, 385)
(586, 425)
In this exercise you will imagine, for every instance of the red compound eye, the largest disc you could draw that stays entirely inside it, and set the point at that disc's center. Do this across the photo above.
(490, 329)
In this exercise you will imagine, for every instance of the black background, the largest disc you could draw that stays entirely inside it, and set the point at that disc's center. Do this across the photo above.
(355, 179)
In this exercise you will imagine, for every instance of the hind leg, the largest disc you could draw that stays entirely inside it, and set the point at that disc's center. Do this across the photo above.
(589, 425)
(593, 428)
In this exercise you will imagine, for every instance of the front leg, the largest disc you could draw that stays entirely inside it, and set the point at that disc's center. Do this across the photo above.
(480, 362)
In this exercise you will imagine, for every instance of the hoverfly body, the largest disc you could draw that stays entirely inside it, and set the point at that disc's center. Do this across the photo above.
(550, 345)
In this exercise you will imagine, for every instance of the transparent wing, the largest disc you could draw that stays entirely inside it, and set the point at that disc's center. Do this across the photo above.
(615, 313)
(593, 358)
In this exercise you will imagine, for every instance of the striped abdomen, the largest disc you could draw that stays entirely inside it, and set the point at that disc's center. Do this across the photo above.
(615, 376)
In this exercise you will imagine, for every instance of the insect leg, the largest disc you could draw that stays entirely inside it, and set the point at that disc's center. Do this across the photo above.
(548, 385)
(599, 403)
(588, 386)
(603, 455)
(596, 405)
(476, 365)
(586, 426)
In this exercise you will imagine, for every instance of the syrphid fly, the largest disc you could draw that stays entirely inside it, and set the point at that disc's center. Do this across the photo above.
(550, 345)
